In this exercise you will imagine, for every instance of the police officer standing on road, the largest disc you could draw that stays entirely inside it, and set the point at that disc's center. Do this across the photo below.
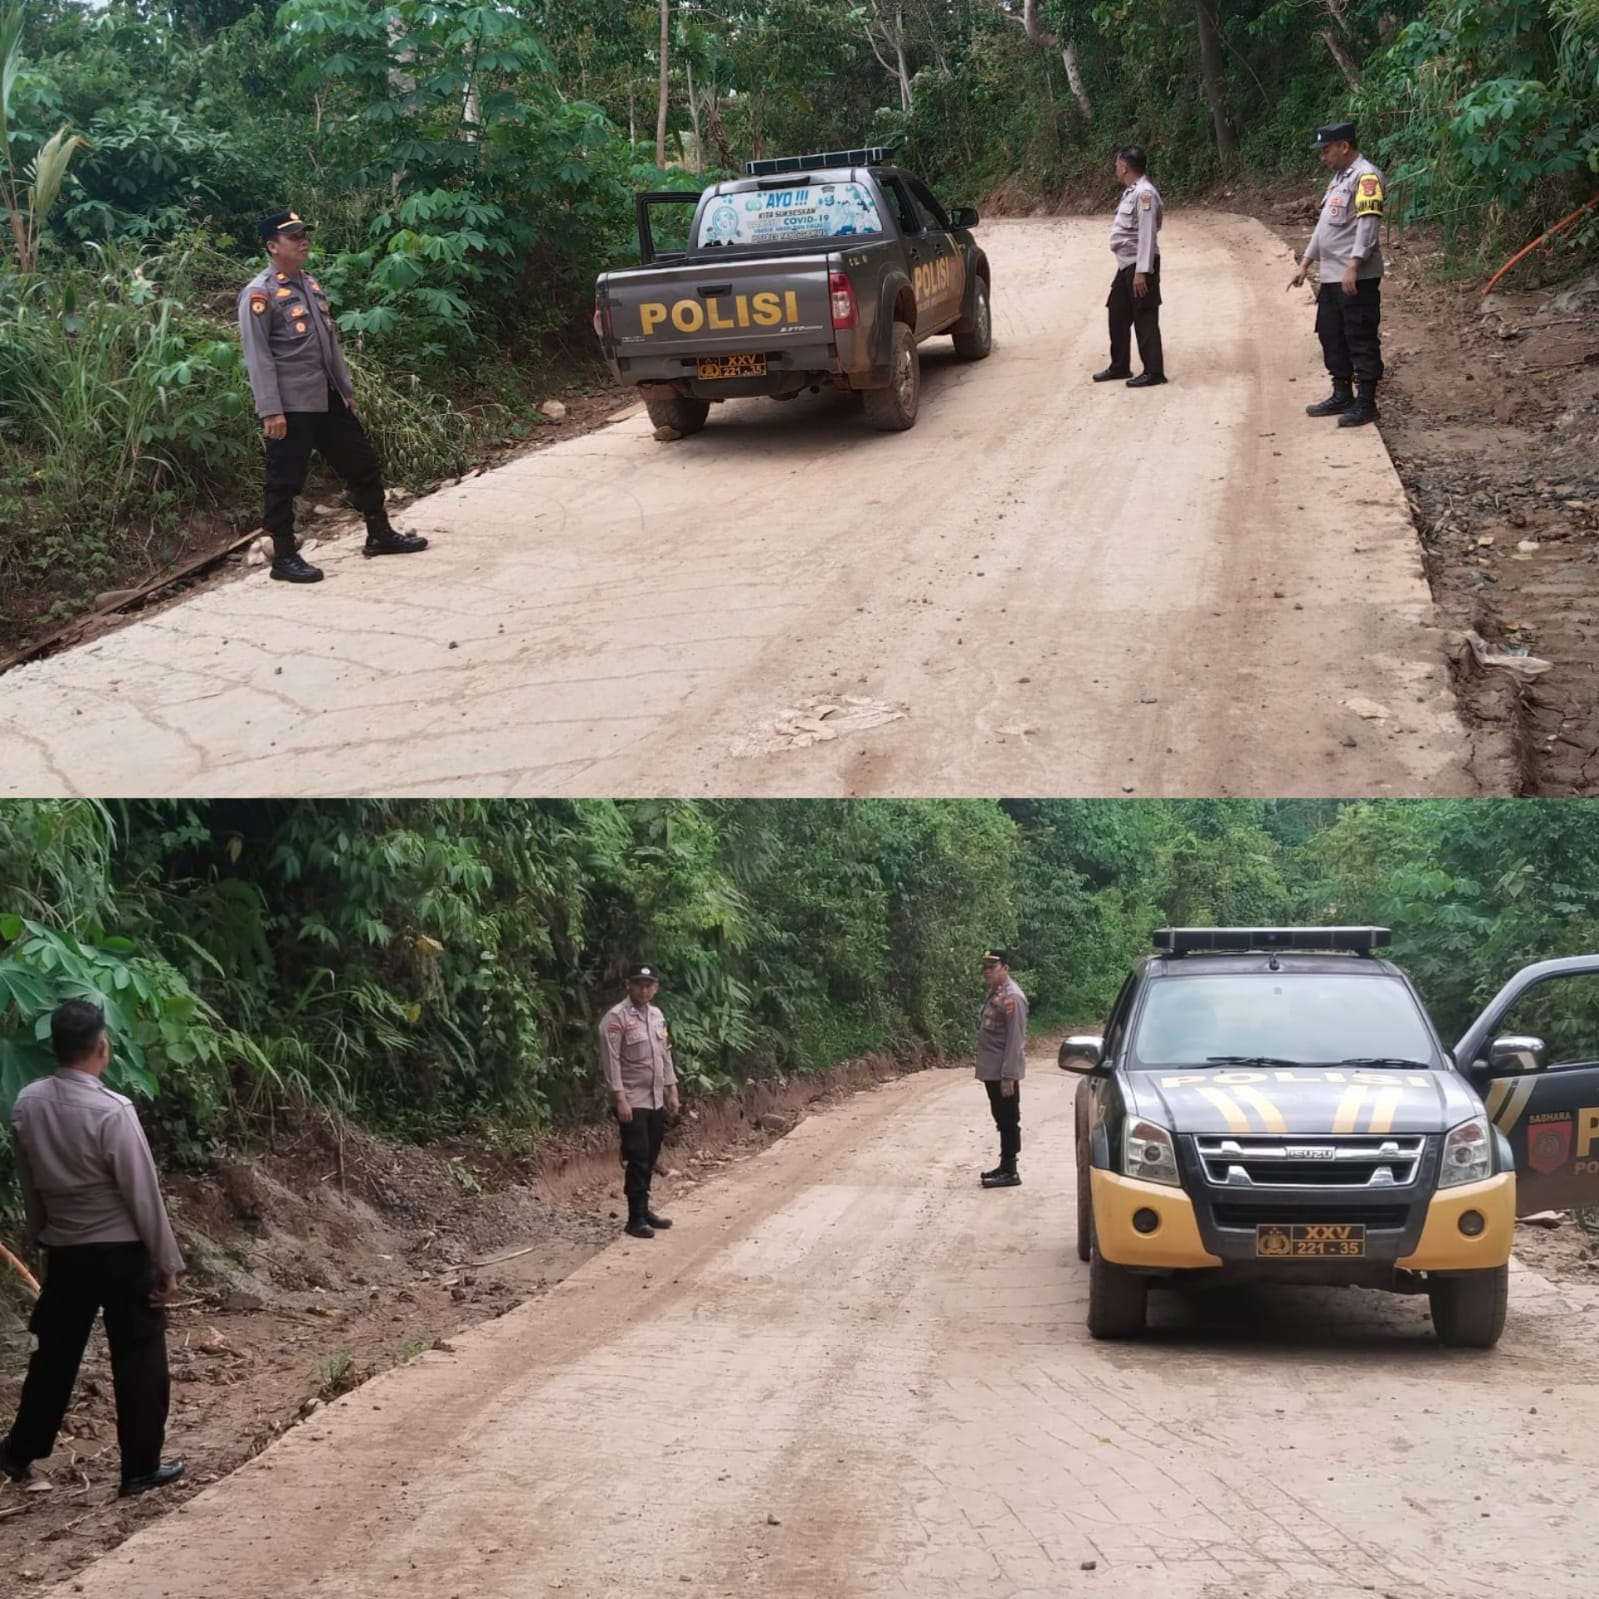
(92, 1200)
(305, 398)
(1134, 303)
(1002, 1062)
(1348, 245)
(636, 1054)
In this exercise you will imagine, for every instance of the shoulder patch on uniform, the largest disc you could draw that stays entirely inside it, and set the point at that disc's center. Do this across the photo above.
(258, 303)
(1145, 201)
(1368, 196)
(1010, 1006)
(615, 1027)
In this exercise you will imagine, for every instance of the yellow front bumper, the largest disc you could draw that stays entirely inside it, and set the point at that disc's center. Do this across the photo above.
(1174, 1243)
(1443, 1247)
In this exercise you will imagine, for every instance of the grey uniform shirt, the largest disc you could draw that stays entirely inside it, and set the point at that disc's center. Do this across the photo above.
(636, 1054)
(291, 348)
(86, 1172)
(1132, 233)
(1002, 1034)
(1350, 223)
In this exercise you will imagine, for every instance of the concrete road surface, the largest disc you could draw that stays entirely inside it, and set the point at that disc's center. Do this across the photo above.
(850, 1373)
(1048, 586)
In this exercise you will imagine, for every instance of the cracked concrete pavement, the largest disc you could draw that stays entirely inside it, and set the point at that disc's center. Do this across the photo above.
(848, 1371)
(1046, 587)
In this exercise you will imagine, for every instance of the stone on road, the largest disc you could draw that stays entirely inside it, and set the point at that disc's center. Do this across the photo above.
(1048, 586)
(849, 1371)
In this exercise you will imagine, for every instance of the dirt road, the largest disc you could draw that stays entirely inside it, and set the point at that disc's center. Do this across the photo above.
(1048, 586)
(850, 1372)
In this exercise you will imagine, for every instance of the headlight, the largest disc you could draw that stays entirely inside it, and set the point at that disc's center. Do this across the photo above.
(1148, 1153)
(1468, 1154)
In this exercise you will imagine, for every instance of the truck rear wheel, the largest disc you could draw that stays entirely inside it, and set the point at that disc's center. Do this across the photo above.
(1469, 1312)
(1085, 1205)
(893, 409)
(974, 340)
(678, 411)
(1118, 1299)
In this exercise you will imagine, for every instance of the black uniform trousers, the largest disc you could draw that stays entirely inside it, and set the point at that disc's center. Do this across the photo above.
(337, 435)
(1007, 1111)
(641, 1148)
(80, 1281)
(1130, 314)
(1347, 325)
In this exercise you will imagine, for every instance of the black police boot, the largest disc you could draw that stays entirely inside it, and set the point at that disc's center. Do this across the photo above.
(1111, 374)
(659, 1223)
(1336, 403)
(163, 1476)
(381, 539)
(1004, 1175)
(1364, 409)
(11, 1466)
(637, 1222)
(1146, 380)
(295, 569)
(989, 1178)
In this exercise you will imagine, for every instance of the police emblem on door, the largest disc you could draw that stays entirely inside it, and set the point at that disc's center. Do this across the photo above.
(1548, 1143)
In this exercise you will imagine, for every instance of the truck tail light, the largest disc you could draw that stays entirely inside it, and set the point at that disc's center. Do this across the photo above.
(602, 318)
(842, 297)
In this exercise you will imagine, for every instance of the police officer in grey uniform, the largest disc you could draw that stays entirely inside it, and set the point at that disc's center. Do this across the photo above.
(1347, 243)
(1002, 1062)
(636, 1056)
(92, 1201)
(1134, 302)
(305, 398)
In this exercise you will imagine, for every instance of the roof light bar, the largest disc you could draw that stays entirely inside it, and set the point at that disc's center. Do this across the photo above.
(877, 155)
(1215, 940)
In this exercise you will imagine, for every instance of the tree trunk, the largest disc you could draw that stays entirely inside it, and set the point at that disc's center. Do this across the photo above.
(1342, 57)
(1210, 66)
(899, 59)
(660, 108)
(694, 116)
(1045, 40)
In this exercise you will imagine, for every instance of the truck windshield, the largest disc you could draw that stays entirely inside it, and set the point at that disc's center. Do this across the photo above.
(789, 216)
(1287, 1016)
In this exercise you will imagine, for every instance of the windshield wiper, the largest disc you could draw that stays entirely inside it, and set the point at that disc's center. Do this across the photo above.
(1384, 1060)
(1249, 1060)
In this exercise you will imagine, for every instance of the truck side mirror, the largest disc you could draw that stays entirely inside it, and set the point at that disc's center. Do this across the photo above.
(1515, 1055)
(963, 216)
(1082, 1053)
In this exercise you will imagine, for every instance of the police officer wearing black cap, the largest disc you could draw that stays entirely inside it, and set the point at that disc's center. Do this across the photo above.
(1347, 243)
(305, 398)
(636, 1055)
(1002, 1062)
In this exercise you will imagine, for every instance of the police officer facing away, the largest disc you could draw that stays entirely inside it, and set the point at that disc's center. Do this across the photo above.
(1134, 302)
(1347, 243)
(1002, 1062)
(636, 1055)
(305, 398)
(92, 1200)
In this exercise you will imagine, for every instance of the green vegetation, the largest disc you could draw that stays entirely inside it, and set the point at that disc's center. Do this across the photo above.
(470, 166)
(426, 966)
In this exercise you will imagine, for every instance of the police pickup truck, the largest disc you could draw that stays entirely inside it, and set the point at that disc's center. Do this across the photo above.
(815, 271)
(1274, 1105)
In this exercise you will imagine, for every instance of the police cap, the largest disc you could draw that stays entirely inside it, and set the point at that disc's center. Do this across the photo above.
(996, 957)
(281, 222)
(1333, 133)
(644, 974)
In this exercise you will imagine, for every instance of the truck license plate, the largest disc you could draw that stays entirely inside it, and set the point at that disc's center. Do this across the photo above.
(1339, 1240)
(731, 366)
